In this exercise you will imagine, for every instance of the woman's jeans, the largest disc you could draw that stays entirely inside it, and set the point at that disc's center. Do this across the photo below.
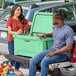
(45, 61)
(11, 52)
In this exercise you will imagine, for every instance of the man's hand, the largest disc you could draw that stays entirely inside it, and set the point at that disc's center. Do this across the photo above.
(50, 54)
(42, 36)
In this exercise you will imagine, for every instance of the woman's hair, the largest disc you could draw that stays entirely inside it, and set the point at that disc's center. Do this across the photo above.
(21, 17)
(60, 14)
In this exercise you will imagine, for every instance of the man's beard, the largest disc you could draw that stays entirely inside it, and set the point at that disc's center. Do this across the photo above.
(55, 23)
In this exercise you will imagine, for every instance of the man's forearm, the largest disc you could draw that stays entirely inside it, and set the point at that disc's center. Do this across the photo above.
(68, 47)
(45, 35)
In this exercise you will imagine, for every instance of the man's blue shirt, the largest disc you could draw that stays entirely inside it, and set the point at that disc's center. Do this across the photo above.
(62, 36)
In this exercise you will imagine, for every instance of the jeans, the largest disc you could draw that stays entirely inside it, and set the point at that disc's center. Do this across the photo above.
(45, 61)
(11, 52)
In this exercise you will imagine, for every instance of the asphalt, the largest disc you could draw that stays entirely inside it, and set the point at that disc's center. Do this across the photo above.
(26, 72)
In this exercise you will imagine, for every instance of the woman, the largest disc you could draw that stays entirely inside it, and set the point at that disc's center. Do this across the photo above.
(15, 25)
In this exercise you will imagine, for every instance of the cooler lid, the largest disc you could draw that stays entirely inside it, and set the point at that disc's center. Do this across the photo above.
(42, 23)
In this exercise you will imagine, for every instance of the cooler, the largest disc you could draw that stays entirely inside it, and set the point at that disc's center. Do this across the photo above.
(31, 45)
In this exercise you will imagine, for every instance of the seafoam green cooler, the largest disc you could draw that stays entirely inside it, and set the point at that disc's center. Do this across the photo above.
(32, 45)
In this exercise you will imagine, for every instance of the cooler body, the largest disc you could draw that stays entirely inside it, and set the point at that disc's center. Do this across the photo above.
(30, 46)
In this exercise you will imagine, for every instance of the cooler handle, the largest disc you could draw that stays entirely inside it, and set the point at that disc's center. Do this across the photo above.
(27, 40)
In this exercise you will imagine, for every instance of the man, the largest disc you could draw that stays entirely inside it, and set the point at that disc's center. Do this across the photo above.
(60, 51)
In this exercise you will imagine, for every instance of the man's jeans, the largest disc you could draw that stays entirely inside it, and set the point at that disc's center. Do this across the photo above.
(45, 61)
(11, 52)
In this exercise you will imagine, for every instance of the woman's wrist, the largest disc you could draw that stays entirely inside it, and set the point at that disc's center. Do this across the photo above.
(15, 32)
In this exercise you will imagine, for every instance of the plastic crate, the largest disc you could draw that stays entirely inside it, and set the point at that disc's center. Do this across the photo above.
(32, 45)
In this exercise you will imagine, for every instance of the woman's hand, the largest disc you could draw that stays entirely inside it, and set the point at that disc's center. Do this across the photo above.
(19, 31)
(29, 23)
